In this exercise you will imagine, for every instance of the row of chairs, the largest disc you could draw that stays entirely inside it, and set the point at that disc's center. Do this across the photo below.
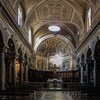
(80, 91)
(25, 92)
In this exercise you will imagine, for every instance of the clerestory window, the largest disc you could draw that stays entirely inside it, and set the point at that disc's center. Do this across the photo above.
(20, 16)
(89, 19)
(30, 35)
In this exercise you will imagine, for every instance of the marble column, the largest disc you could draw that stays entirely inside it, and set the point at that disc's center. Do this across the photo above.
(95, 74)
(2, 71)
(87, 74)
(81, 74)
(26, 72)
(13, 70)
(21, 72)
(47, 63)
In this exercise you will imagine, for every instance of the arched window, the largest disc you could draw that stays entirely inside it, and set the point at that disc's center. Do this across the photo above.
(89, 19)
(20, 15)
(30, 35)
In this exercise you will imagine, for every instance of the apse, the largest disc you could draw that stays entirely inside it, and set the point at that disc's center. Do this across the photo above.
(56, 53)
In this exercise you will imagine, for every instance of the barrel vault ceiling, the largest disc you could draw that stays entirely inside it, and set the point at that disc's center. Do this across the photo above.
(67, 14)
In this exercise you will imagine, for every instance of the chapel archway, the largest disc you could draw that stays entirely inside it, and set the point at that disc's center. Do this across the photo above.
(83, 65)
(2, 67)
(97, 59)
(90, 67)
(10, 65)
(20, 66)
(25, 73)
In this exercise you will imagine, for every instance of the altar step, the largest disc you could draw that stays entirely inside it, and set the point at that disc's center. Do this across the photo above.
(54, 89)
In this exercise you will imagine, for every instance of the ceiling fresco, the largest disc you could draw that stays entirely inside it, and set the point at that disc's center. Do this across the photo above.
(41, 12)
(67, 14)
(57, 51)
(48, 11)
(67, 32)
(53, 46)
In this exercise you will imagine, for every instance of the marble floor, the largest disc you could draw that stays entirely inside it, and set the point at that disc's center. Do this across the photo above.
(55, 95)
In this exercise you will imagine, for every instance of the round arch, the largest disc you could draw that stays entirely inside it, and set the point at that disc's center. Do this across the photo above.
(49, 36)
(11, 39)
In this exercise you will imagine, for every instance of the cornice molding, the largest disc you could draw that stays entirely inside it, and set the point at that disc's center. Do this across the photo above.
(89, 34)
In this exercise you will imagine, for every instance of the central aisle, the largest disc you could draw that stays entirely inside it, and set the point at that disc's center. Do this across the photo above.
(55, 95)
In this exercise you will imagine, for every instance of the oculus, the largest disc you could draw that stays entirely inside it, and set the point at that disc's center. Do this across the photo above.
(54, 28)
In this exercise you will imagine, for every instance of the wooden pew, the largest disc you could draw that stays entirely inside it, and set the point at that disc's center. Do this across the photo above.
(35, 90)
(14, 94)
